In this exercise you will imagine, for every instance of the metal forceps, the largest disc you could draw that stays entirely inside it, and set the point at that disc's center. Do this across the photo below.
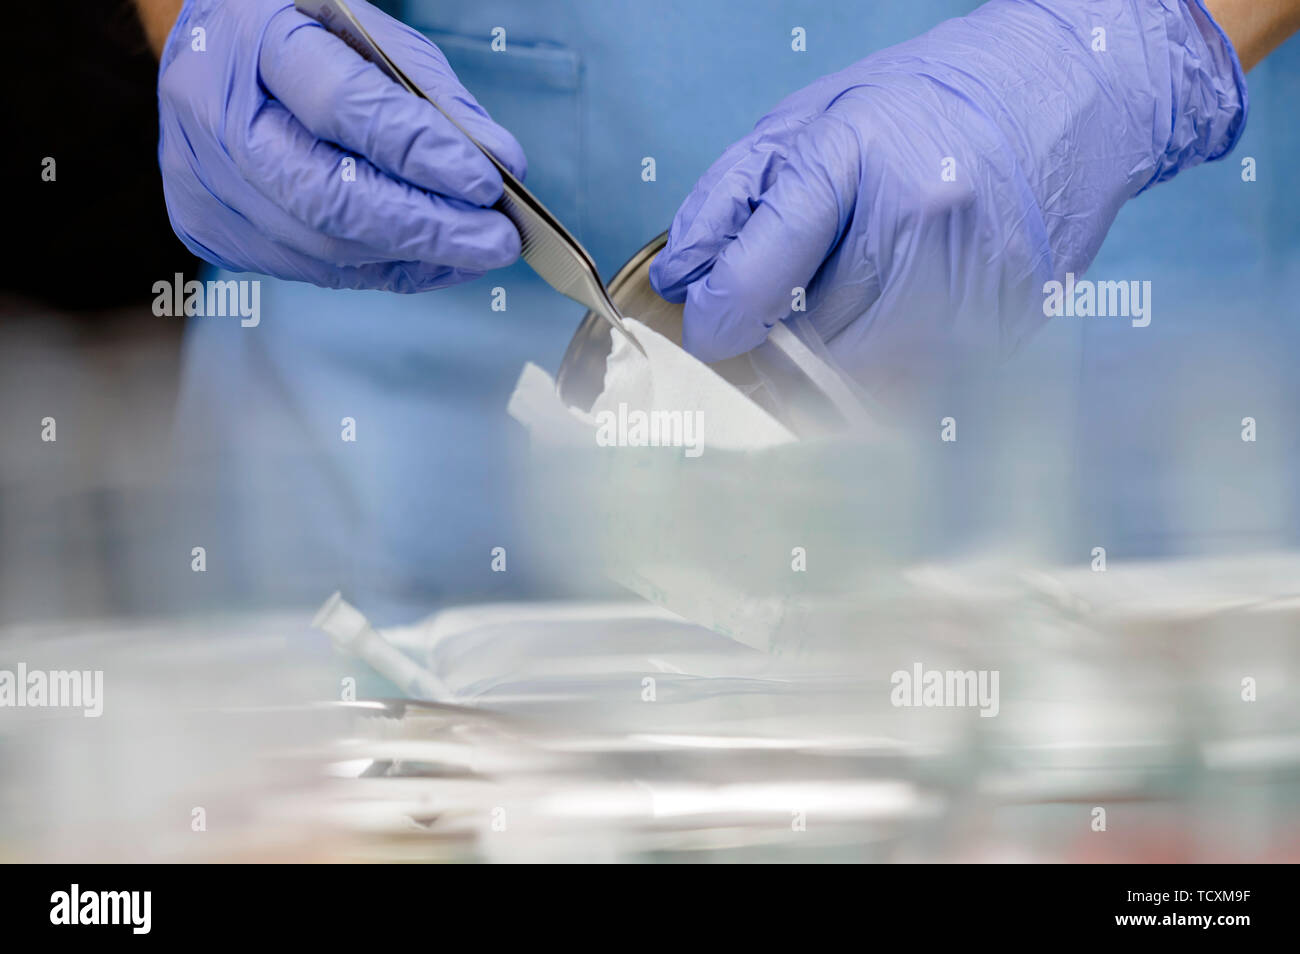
(547, 246)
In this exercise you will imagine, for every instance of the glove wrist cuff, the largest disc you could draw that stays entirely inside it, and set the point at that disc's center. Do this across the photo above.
(1219, 83)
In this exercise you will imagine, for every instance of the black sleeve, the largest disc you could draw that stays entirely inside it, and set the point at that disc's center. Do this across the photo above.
(81, 89)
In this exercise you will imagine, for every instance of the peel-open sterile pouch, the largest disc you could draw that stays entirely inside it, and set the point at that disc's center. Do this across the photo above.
(707, 410)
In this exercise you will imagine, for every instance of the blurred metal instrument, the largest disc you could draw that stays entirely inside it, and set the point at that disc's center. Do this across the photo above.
(783, 375)
(546, 244)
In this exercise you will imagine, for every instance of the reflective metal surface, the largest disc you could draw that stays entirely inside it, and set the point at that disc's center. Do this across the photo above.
(767, 375)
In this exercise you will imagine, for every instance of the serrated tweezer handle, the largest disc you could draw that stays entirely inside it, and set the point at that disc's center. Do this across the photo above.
(547, 246)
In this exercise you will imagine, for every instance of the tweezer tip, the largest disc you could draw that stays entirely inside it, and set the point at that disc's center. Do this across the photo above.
(632, 338)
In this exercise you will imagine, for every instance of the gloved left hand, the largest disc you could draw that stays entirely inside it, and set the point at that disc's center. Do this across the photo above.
(284, 152)
(923, 196)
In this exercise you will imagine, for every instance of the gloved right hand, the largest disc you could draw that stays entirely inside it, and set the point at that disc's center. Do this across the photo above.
(924, 196)
(258, 118)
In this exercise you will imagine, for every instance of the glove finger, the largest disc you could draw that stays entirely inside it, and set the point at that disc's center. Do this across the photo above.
(304, 176)
(273, 225)
(341, 98)
(795, 226)
(405, 278)
(259, 252)
(716, 210)
(427, 66)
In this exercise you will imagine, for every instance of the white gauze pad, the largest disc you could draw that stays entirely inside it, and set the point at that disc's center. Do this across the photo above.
(666, 380)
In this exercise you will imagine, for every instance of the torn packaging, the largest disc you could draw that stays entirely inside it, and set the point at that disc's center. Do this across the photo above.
(673, 396)
(665, 548)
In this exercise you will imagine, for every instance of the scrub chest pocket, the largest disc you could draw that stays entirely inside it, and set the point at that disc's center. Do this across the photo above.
(535, 91)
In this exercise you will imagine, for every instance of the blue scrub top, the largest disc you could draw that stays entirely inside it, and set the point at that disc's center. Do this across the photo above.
(1146, 422)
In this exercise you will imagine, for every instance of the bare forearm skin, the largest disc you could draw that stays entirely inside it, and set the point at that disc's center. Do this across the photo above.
(157, 17)
(1255, 27)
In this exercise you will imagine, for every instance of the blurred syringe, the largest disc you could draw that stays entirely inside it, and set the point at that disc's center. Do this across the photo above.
(352, 632)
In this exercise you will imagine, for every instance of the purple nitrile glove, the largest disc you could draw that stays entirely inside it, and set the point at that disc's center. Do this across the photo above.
(255, 128)
(924, 195)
